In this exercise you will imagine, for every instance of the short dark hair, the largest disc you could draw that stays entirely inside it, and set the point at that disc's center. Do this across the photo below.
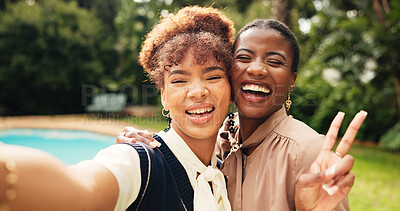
(271, 24)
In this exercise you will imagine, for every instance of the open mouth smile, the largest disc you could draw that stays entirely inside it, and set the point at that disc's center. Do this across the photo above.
(255, 92)
(200, 114)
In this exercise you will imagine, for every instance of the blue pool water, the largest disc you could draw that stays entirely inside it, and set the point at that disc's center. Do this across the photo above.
(70, 146)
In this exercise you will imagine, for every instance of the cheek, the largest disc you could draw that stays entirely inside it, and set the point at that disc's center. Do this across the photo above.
(173, 96)
(237, 68)
(222, 91)
(282, 80)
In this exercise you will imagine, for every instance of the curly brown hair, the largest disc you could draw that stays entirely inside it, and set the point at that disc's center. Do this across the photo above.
(204, 29)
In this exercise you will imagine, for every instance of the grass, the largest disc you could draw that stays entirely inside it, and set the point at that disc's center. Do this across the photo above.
(377, 184)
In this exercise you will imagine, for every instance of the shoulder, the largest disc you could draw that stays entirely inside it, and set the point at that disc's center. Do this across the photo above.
(116, 153)
(306, 142)
(123, 161)
(298, 132)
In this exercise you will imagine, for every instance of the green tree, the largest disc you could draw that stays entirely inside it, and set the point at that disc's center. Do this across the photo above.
(348, 67)
(48, 53)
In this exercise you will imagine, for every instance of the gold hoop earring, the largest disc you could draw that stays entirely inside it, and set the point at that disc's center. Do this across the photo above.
(168, 118)
(288, 102)
(165, 114)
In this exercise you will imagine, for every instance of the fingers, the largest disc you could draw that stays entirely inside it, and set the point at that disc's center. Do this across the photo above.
(143, 136)
(346, 183)
(342, 168)
(312, 179)
(143, 133)
(123, 139)
(328, 177)
(130, 129)
(333, 131)
(131, 135)
(351, 132)
(342, 186)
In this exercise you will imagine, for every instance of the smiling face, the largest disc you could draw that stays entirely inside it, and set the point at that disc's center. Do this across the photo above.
(197, 97)
(261, 74)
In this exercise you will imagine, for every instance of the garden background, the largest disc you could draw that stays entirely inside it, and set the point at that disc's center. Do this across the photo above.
(57, 54)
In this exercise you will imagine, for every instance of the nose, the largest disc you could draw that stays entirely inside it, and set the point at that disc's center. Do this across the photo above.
(257, 69)
(198, 91)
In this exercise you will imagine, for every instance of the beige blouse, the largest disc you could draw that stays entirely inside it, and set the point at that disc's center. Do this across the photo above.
(266, 179)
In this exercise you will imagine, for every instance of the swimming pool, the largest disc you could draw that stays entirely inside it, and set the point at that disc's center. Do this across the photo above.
(70, 146)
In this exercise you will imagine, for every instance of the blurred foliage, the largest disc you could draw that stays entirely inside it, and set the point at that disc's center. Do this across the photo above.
(391, 139)
(349, 59)
(47, 54)
(348, 69)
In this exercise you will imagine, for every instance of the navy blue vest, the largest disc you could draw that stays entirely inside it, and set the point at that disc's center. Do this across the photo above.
(165, 184)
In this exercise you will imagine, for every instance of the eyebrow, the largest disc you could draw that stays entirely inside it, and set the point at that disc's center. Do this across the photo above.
(204, 71)
(177, 72)
(267, 53)
(276, 53)
(245, 49)
(210, 69)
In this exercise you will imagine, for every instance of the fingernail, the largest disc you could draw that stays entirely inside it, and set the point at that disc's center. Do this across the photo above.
(328, 185)
(133, 140)
(155, 144)
(330, 171)
(364, 113)
(332, 190)
(325, 187)
(340, 114)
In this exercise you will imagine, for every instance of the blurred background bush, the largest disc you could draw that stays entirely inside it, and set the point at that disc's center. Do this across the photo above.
(52, 49)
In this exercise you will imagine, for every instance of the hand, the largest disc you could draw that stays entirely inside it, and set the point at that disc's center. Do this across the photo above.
(131, 135)
(329, 180)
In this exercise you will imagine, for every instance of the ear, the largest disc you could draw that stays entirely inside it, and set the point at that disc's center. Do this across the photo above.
(164, 100)
(293, 78)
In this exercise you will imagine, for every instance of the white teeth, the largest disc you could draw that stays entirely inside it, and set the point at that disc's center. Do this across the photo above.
(256, 88)
(200, 110)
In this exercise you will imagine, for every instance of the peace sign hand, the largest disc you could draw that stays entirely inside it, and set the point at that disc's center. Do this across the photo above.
(329, 180)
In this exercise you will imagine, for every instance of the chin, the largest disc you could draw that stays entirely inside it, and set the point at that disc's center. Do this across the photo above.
(257, 112)
(202, 133)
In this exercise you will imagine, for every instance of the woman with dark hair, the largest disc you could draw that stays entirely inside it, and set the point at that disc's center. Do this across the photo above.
(265, 150)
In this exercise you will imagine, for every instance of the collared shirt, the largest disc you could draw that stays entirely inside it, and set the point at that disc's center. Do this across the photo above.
(123, 162)
(266, 179)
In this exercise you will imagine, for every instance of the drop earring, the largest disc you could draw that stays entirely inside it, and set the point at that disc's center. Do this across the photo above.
(231, 122)
(288, 102)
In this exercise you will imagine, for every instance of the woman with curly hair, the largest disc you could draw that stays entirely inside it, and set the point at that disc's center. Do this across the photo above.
(188, 56)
